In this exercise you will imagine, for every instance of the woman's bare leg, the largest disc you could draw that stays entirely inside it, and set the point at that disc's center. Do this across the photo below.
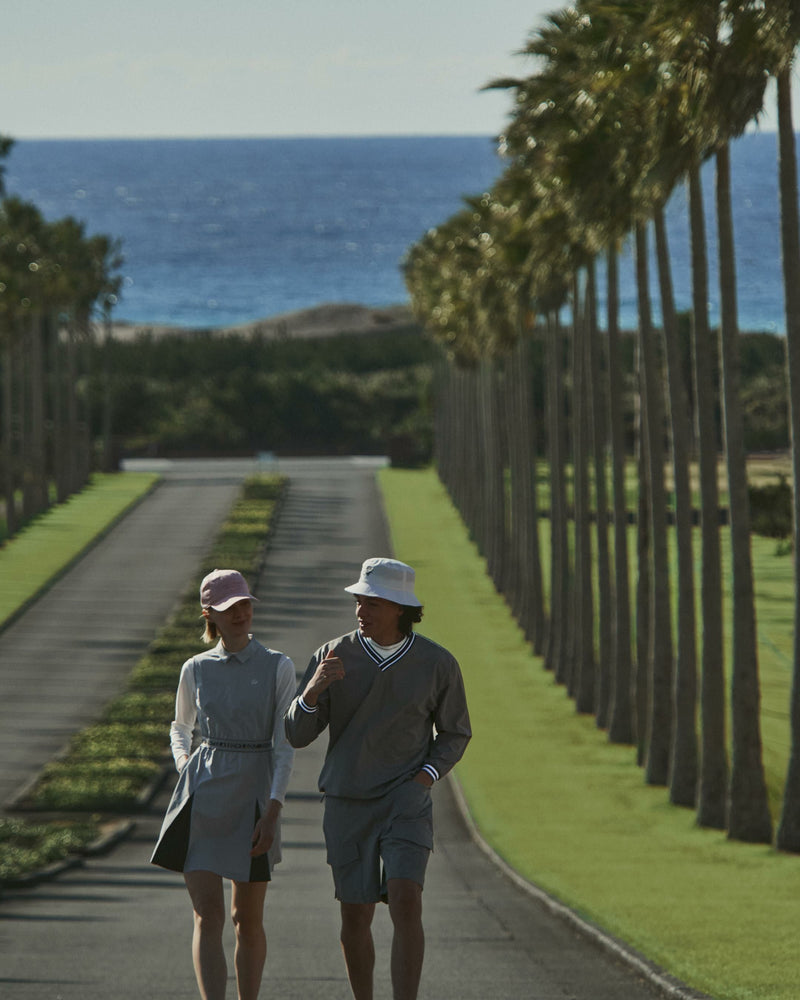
(208, 955)
(247, 911)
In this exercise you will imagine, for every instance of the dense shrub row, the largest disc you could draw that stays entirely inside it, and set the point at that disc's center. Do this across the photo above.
(354, 393)
(206, 393)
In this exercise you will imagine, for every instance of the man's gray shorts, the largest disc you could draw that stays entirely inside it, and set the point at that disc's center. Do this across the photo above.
(370, 841)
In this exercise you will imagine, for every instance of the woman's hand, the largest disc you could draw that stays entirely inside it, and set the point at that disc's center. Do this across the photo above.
(264, 830)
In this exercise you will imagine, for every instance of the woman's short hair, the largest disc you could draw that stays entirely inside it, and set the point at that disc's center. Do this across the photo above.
(409, 617)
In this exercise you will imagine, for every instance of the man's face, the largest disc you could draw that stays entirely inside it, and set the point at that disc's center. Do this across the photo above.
(378, 619)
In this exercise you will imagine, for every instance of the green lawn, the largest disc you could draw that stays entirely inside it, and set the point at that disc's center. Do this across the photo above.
(571, 812)
(46, 547)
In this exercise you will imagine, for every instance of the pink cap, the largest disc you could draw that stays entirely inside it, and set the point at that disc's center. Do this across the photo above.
(223, 588)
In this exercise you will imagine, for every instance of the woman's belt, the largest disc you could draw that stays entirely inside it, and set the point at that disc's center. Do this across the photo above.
(248, 746)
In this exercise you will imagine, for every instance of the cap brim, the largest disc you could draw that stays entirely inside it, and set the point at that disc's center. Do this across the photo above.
(230, 601)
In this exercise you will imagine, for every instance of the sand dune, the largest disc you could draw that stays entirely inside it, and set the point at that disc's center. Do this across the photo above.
(318, 321)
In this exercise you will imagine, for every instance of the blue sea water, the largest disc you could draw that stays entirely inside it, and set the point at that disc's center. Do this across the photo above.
(217, 232)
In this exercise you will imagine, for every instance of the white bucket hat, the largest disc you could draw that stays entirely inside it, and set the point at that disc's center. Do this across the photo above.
(388, 579)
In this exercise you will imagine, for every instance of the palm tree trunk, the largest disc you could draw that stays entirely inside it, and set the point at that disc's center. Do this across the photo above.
(109, 459)
(659, 734)
(59, 436)
(493, 512)
(73, 422)
(583, 686)
(26, 380)
(620, 728)
(525, 511)
(517, 522)
(713, 784)
(644, 624)
(788, 837)
(556, 656)
(683, 772)
(748, 817)
(9, 457)
(596, 383)
(38, 467)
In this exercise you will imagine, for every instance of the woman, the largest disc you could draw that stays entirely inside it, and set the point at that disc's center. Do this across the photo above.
(234, 761)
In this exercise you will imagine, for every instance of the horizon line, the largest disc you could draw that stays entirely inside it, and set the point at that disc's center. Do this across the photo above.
(756, 128)
(158, 137)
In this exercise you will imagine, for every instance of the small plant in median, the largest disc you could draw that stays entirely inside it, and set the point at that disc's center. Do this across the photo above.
(109, 766)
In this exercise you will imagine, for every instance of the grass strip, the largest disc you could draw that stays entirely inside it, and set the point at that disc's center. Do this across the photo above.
(26, 847)
(49, 544)
(570, 811)
(108, 766)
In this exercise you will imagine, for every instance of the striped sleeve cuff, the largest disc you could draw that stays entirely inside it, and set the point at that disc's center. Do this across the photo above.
(431, 770)
(311, 709)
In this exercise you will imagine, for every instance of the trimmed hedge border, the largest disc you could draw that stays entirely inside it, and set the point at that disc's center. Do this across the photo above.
(116, 766)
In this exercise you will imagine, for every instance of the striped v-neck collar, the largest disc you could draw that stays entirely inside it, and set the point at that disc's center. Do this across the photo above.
(386, 663)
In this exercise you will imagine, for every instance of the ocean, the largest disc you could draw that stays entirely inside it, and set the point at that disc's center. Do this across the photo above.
(218, 232)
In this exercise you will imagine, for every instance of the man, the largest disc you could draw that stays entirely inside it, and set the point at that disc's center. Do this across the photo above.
(395, 705)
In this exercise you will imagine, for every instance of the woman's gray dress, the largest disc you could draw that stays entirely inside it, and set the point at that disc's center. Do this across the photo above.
(234, 704)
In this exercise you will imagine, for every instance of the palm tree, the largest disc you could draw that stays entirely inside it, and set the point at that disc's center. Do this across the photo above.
(748, 817)
(713, 778)
(709, 46)
(683, 776)
(660, 654)
(50, 271)
(788, 835)
(731, 73)
(597, 407)
(25, 238)
(6, 145)
(662, 69)
(525, 502)
(583, 660)
(556, 651)
(620, 728)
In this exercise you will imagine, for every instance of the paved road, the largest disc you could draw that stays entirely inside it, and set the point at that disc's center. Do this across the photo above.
(120, 927)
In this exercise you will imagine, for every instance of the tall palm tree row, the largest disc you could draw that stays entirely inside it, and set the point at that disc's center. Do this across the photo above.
(626, 101)
(52, 279)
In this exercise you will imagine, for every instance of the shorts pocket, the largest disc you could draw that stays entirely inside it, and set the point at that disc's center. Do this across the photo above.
(412, 815)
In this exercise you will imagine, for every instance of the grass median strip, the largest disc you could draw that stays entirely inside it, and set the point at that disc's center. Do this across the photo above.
(108, 766)
(570, 811)
(31, 560)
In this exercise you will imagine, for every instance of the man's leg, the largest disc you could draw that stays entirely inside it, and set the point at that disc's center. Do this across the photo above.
(358, 947)
(408, 942)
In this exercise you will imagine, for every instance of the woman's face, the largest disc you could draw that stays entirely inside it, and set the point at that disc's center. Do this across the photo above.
(234, 624)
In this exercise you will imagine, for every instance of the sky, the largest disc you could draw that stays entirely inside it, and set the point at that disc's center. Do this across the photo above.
(139, 68)
(155, 68)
